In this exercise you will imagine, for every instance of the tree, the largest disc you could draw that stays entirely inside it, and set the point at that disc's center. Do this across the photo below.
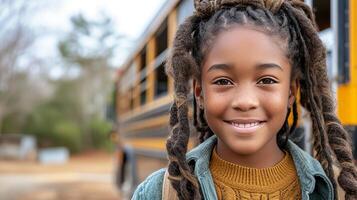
(18, 91)
(88, 48)
(55, 122)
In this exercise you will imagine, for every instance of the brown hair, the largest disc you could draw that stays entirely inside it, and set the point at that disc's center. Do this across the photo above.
(291, 21)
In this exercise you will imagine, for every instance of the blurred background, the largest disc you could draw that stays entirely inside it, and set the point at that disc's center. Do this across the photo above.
(84, 97)
(58, 65)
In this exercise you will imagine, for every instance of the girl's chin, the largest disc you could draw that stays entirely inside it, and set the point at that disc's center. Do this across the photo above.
(245, 150)
(250, 147)
(245, 147)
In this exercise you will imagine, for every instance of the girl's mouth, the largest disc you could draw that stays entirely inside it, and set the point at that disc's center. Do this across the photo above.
(246, 126)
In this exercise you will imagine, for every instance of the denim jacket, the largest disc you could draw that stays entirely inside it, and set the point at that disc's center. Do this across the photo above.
(315, 185)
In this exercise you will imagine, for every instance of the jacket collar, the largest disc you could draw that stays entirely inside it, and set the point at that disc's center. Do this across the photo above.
(307, 167)
(202, 155)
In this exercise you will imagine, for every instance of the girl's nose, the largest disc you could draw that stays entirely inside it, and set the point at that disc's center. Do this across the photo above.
(245, 100)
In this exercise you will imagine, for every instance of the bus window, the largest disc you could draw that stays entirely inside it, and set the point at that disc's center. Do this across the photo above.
(161, 39)
(322, 12)
(142, 97)
(143, 59)
(131, 107)
(161, 84)
(143, 91)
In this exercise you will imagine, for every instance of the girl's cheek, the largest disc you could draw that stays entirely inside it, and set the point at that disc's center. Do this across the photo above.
(216, 101)
(274, 102)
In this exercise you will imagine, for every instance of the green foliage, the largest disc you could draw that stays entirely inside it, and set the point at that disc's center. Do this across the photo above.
(41, 122)
(99, 131)
(12, 123)
(54, 126)
(68, 134)
(61, 106)
(58, 122)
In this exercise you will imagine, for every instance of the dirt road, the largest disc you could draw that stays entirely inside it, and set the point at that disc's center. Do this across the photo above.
(87, 176)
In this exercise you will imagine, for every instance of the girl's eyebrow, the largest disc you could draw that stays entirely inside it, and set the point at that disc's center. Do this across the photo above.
(258, 67)
(268, 66)
(219, 67)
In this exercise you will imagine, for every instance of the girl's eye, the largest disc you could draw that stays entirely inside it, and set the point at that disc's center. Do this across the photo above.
(223, 82)
(267, 81)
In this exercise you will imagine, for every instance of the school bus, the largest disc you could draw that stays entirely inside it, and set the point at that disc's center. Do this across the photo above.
(144, 93)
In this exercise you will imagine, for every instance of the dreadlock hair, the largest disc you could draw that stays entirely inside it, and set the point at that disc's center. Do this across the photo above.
(292, 22)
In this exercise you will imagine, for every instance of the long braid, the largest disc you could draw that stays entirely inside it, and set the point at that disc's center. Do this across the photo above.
(181, 66)
(207, 132)
(195, 119)
(314, 103)
(338, 138)
(295, 118)
(200, 122)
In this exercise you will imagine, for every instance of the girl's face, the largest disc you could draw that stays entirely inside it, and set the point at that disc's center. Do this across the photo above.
(245, 91)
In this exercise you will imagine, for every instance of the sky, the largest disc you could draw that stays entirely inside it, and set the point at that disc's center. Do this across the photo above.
(130, 16)
(52, 21)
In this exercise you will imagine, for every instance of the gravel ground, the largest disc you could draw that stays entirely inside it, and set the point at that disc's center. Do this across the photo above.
(87, 176)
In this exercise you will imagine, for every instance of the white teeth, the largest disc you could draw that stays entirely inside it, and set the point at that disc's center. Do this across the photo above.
(248, 125)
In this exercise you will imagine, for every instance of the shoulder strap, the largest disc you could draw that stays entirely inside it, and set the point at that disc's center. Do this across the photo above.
(168, 192)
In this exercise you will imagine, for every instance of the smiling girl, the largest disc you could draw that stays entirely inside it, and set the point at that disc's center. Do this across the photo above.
(249, 59)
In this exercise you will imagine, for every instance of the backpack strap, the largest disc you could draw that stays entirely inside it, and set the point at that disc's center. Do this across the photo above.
(168, 192)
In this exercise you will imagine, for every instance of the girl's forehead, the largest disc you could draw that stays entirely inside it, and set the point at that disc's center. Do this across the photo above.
(248, 38)
(241, 44)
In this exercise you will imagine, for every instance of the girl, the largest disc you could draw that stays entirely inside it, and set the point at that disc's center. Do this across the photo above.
(248, 60)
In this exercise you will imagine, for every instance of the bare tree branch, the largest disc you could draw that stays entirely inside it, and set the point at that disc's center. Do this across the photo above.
(17, 90)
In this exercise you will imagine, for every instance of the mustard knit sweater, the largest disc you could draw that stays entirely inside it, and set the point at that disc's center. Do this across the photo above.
(238, 182)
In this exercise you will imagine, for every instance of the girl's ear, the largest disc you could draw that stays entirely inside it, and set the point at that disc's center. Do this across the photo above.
(197, 90)
(293, 91)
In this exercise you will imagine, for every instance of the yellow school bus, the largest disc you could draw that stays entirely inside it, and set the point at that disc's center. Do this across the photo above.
(143, 97)
(144, 93)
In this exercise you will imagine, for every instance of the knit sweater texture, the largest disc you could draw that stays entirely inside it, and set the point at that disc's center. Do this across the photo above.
(233, 181)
